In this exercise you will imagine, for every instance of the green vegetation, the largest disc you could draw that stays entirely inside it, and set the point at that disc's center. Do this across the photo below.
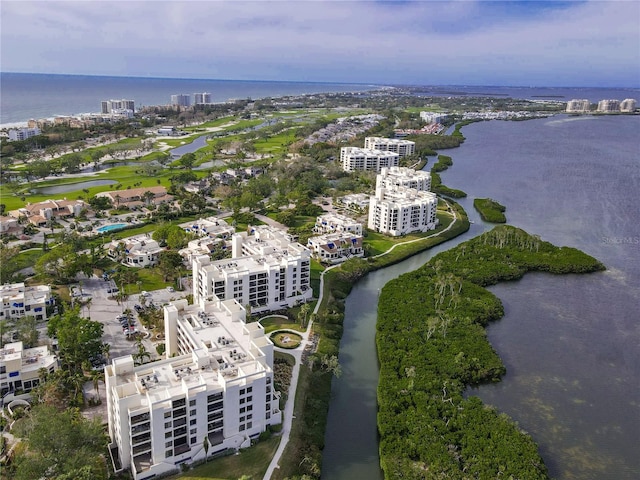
(443, 163)
(490, 210)
(432, 344)
(286, 339)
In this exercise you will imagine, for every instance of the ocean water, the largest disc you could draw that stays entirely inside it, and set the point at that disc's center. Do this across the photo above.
(25, 95)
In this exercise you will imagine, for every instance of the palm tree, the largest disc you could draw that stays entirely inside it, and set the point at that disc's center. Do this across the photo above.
(96, 377)
(302, 315)
(142, 353)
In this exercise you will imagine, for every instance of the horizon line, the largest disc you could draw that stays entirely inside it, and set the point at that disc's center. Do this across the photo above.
(372, 84)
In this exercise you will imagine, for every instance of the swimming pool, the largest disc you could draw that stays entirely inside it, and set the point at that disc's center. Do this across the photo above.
(109, 228)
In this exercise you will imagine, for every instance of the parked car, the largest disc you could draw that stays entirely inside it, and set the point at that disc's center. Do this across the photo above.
(145, 294)
(171, 289)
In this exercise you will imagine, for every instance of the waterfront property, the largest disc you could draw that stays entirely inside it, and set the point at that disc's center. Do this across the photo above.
(138, 251)
(355, 158)
(578, 106)
(17, 134)
(401, 147)
(334, 222)
(215, 385)
(19, 301)
(20, 367)
(433, 117)
(39, 214)
(268, 271)
(336, 247)
(404, 177)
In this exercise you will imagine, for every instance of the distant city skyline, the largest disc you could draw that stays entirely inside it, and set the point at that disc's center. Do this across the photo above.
(573, 43)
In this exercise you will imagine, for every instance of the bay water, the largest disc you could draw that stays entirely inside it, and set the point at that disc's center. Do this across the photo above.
(571, 343)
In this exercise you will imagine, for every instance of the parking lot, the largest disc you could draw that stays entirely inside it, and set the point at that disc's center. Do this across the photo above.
(105, 309)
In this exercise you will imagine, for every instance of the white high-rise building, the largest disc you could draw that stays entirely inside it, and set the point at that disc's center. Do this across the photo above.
(215, 383)
(355, 158)
(181, 100)
(608, 106)
(404, 177)
(433, 117)
(268, 271)
(122, 106)
(401, 147)
(402, 203)
(17, 134)
(628, 105)
(202, 98)
(578, 106)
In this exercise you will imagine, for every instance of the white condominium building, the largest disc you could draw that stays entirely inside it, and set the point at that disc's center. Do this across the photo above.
(138, 251)
(334, 222)
(202, 98)
(354, 201)
(397, 211)
(117, 106)
(23, 133)
(433, 117)
(209, 227)
(267, 271)
(20, 367)
(336, 247)
(181, 100)
(404, 177)
(354, 158)
(628, 105)
(20, 301)
(401, 147)
(608, 106)
(578, 106)
(215, 384)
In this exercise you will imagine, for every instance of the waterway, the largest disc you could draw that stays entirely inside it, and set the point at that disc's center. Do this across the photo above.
(72, 187)
(570, 343)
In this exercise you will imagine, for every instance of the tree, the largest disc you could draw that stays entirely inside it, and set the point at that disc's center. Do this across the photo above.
(188, 160)
(61, 445)
(205, 444)
(303, 313)
(168, 263)
(28, 331)
(141, 355)
(78, 338)
(96, 377)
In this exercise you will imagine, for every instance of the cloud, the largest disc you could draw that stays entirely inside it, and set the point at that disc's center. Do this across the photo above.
(386, 42)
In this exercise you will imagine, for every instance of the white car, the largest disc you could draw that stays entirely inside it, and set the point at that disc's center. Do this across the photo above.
(145, 294)
(171, 289)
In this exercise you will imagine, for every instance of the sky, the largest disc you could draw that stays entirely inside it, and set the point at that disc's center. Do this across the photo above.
(517, 43)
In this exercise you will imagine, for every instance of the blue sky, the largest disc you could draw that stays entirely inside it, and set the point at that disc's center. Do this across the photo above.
(574, 43)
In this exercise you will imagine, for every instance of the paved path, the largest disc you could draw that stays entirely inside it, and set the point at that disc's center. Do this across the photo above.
(297, 354)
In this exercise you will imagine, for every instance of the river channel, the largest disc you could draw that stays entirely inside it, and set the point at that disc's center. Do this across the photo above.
(570, 343)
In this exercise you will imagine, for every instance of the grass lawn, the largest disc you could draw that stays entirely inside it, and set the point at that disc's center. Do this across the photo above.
(26, 258)
(272, 324)
(277, 143)
(252, 462)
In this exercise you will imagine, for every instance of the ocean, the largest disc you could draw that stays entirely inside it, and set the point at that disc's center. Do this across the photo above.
(25, 95)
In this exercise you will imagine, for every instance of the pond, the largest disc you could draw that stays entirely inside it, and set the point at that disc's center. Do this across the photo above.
(71, 187)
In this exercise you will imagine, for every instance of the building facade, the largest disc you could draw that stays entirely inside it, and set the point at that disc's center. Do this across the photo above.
(578, 106)
(433, 117)
(336, 247)
(215, 383)
(354, 158)
(628, 105)
(17, 134)
(607, 106)
(404, 177)
(335, 222)
(139, 251)
(40, 213)
(181, 100)
(268, 271)
(123, 106)
(401, 147)
(20, 301)
(202, 98)
(20, 367)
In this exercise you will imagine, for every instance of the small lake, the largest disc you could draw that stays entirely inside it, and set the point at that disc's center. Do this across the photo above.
(197, 144)
(71, 187)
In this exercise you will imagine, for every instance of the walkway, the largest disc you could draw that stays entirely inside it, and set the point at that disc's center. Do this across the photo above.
(297, 354)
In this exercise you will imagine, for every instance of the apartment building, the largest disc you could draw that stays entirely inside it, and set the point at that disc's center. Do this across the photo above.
(20, 367)
(336, 247)
(18, 134)
(268, 271)
(202, 98)
(398, 210)
(628, 105)
(138, 251)
(118, 107)
(20, 301)
(335, 222)
(401, 147)
(433, 117)
(404, 177)
(578, 106)
(355, 158)
(215, 383)
(354, 201)
(181, 100)
(606, 106)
